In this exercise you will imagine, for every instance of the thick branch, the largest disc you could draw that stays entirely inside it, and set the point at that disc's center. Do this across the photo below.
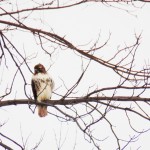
(73, 101)
(5, 146)
(62, 41)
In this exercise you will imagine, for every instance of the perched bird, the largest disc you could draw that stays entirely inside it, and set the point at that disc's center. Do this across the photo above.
(42, 86)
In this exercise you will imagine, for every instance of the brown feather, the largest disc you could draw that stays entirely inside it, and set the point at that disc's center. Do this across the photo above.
(34, 90)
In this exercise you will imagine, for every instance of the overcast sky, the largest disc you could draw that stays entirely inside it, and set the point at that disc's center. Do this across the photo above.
(82, 25)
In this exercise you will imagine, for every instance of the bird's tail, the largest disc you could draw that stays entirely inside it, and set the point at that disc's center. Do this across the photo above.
(42, 111)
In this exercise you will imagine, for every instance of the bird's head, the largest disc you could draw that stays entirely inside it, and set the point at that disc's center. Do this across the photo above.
(39, 68)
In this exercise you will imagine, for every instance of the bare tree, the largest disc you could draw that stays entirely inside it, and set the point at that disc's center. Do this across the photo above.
(128, 96)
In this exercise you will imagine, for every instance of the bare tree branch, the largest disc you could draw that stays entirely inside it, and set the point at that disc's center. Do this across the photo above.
(84, 110)
(8, 138)
(5, 146)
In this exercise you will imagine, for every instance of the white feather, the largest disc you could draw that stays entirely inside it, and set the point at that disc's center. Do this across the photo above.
(44, 91)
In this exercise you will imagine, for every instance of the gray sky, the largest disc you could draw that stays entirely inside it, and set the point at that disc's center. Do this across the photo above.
(82, 25)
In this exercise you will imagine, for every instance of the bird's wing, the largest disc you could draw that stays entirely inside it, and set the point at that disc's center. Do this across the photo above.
(34, 90)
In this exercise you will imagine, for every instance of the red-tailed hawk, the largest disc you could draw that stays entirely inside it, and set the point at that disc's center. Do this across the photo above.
(42, 86)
